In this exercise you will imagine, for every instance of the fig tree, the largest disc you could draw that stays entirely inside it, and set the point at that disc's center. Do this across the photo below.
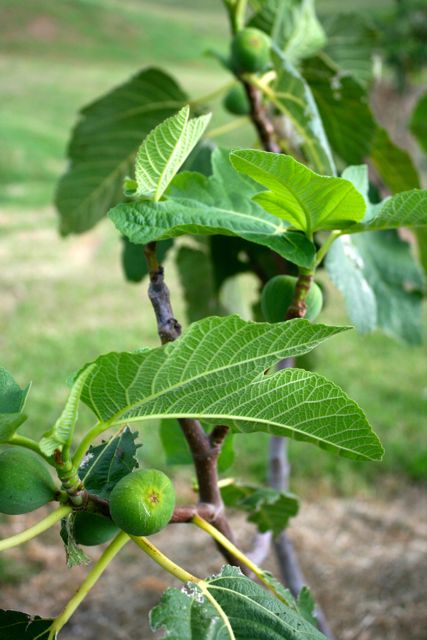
(250, 50)
(90, 529)
(278, 294)
(25, 481)
(142, 502)
(236, 101)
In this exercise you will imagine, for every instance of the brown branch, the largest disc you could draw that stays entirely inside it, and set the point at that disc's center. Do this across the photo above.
(205, 449)
(259, 116)
(298, 306)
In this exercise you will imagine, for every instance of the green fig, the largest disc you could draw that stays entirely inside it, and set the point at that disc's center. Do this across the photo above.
(236, 101)
(142, 502)
(90, 529)
(25, 481)
(278, 294)
(250, 51)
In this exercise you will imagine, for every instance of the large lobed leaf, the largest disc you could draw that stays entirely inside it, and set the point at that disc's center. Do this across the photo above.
(164, 150)
(305, 200)
(406, 209)
(217, 372)
(418, 122)
(12, 402)
(229, 606)
(104, 143)
(202, 205)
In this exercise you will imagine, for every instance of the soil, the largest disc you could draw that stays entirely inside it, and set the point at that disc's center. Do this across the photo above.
(364, 558)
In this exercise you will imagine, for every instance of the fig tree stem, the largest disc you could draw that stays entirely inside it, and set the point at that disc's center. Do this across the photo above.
(166, 563)
(93, 576)
(36, 529)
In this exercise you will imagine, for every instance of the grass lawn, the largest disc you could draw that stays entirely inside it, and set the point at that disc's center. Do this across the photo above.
(65, 301)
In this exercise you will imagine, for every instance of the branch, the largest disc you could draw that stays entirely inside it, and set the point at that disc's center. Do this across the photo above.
(298, 306)
(260, 119)
(204, 449)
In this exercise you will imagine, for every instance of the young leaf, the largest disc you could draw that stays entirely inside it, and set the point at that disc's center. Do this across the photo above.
(105, 464)
(62, 431)
(74, 555)
(229, 606)
(269, 509)
(164, 150)
(344, 109)
(293, 26)
(216, 372)
(292, 96)
(201, 205)
(12, 402)
(304, 199)
(15, 625)
(104, 143)
(418, 122)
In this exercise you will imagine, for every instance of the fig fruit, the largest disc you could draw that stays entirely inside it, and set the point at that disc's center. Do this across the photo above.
(278, 294)
(236, 101)
(142, 502)
(250, 50)
(25, 481)
(90, 529)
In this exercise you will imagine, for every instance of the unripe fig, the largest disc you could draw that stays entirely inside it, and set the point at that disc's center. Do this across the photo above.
(250, 50)
(278, 294)
(236, 101)
(142, 502)
(25, 481)
(90, 529)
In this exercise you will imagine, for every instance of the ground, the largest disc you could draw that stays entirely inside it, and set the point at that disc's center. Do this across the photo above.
(365, 558)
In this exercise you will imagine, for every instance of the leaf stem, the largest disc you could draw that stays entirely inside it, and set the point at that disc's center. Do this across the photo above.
(93, 576)
(28, 443)
(327, 245)
(166, 563)
(36, 529)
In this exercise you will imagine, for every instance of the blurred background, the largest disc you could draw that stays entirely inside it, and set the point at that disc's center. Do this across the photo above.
(64, 301)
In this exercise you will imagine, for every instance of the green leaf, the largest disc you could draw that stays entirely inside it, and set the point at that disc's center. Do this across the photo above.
(216, 372)
(351, 43)
(62, 431)
(344, 108)
(393, 164)
(406, 209)
(164, 150)
(346, 270)
(15, 625)
(269, 509)
(228, 606)
(174, 444)
(418, 122)
(133, 258)
(421, 236)
(74, 555)
(201, 205)
(302, 198)
(105, 464)
(292, 96)
(381, 283)
(292, 25)
(12, 402)
(196, 275)
(104, 143)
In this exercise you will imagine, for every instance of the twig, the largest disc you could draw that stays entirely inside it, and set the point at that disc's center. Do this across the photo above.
(205, 449)
(260, 119)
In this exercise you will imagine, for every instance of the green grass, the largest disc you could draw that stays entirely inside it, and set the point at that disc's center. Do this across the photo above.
(65, 301)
